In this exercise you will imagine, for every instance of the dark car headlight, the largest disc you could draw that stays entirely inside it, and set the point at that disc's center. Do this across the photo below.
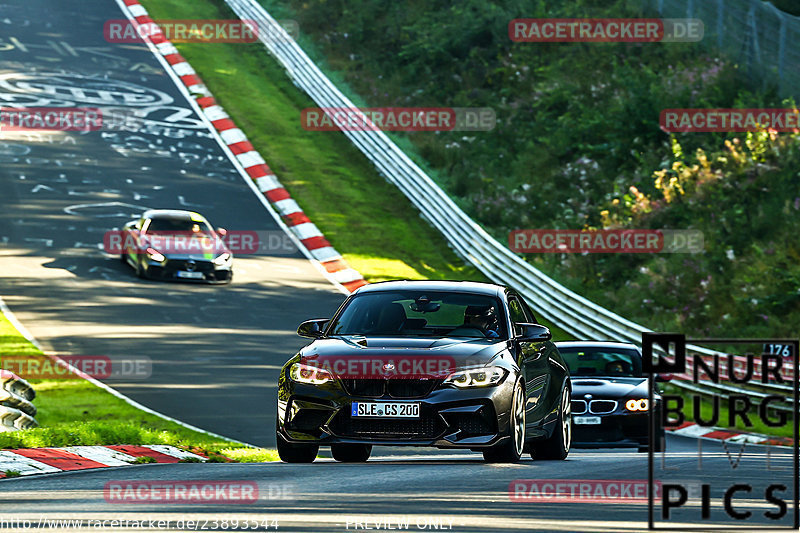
(637, 404)
(312, 375)
(477, 377)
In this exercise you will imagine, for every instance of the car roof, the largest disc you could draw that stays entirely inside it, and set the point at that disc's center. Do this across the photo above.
(426, 285)
(595, 344)
(172, 213)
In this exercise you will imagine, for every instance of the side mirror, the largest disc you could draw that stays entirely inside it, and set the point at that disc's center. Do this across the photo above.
(312, 329)
(532, 332)
(222, 232)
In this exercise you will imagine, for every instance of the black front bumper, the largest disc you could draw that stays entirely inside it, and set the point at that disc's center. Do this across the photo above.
(168, 270)
(619, 429)
(449, 418)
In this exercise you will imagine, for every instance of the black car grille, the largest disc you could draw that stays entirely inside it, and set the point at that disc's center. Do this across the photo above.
(428, 426)
(602, 407)
(180, 264)
(396, 388)
(425, 427)
(472, 424)
(309, 419)
(410, 388)
(578, 407)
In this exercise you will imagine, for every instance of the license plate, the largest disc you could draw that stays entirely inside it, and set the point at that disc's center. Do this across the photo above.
(586, 419)
(190, 275)
(385, 409)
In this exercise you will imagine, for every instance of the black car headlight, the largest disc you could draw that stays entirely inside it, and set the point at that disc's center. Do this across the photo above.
(488, 376)
(309, 374)
(637, 404)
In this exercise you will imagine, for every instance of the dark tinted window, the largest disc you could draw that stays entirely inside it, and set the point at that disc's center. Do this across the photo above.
(162, 225)
(602, 361)
(418, 313)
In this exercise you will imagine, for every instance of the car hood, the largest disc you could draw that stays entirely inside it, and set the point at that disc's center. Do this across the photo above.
(460, 352)
(608, 387)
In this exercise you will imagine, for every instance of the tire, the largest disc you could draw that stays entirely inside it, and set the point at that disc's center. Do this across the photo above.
(351, 453)
(296, 453)
(124, 258)
(558, 444)
(510, 450)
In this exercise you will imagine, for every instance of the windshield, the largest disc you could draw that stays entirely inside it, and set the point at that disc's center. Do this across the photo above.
(178, 225)
(608, 362)
(422, 314)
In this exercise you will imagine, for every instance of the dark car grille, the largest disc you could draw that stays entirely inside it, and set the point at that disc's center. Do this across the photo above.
(309, 419)
(578, 407)
(428, 426)
(482, 422)
(180, 264)
(396, 388)
(602, 407)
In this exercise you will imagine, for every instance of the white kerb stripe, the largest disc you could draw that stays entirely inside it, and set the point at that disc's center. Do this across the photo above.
(267, 183)
(327, 253)
(752, 439)
(232, 136)
(347, 275)
(137, 10)
(693, 431)
(174, 452)
(167, 49)
(250, 159)
(287, 207)
(103, 455)
(199, 89)
(183, 69)
(215, 112)
(306, 230)
(11, 462)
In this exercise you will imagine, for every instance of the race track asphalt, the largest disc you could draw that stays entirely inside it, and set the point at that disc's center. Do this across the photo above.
(215, 350)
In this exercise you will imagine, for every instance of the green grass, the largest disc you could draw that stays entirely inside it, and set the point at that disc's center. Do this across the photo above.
(74, 412)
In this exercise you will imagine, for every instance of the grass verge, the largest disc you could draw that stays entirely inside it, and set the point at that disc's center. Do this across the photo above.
(74, 412)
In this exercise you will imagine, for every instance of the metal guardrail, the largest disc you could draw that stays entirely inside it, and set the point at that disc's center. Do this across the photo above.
(16, 409)
(572, 312)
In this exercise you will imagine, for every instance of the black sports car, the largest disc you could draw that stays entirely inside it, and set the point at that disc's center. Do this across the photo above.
(609, 395)
(170, 244)
(421, 363)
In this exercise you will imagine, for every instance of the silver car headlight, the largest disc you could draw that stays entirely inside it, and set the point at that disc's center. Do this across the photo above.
(312, 375)
(223, 260)
(488, 376)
